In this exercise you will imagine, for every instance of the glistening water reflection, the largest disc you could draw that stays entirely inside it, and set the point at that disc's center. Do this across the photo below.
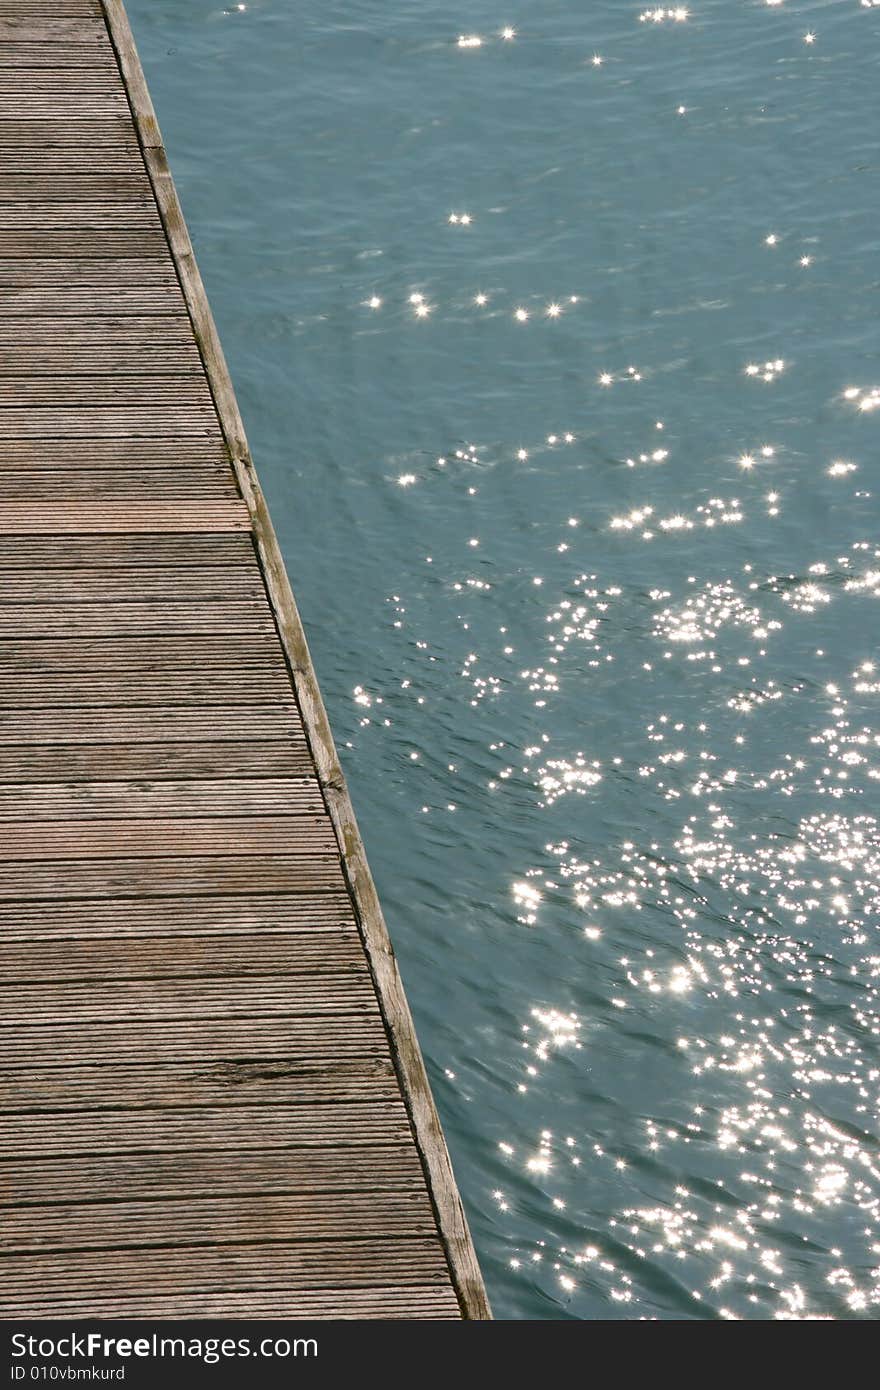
(554, 329)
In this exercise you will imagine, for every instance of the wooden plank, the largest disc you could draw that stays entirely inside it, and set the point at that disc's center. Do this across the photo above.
(42, 1181)
(124, 454)
(83, 214)
(380, 1302)
(118, 619)
(55, 31)
(333, 1039)
(166, 837)
(29, 54)
(29, 394)
(260, 915)
(171, 658)
(65, 801)
(63, 358)
(94, 242)
(51, 9)
(104, 485)
(57, 1090)
(125, 550)
(170, 725)
(172, 1131)
(71, 161)
(174, 1001)
(80, 299)
(126, 271)
(57, 690)
(17, 132)
(231, 1220)
(112, 421)
(123, 761)
(23, 519)
(45, 1279)
(97, 584)
(98, 328)
(235, 1219)
(37, 105)
(19, 88)
(182, 957)
(306, 872)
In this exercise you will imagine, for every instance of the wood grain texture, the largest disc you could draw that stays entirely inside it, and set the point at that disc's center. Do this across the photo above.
(181, 958)
(304, 1040)
(244, 796)
(230, 1220)
(210, 916)
(70, 298)
(211, 1096)
(46, 1181)
(74, 762)
(43, 1280)
(79, 518)
(380, 1302)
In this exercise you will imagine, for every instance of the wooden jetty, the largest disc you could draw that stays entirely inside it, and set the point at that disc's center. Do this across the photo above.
(213, 1101)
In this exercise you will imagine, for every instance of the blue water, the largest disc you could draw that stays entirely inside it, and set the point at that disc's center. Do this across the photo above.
(558, 354)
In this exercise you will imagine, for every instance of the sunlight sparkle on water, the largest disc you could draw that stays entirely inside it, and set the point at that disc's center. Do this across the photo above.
(643, 680)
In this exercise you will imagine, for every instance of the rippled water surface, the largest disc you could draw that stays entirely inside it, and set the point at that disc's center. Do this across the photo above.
(555, 331)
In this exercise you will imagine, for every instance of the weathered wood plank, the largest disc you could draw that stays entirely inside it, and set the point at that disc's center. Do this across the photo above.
(144, 518)
(260, 915)
(172, 1131)
(182, 957)
(210, 582)
(170, 725)
(70, 160)
(71, 270)
(56, 1090)
(62, 358)
(307, 872)
(110, 421)
(30, 54)
(53, 691)
(91, 393)
(20, 85)
(51, 9)
(174, 1000)
(84, 214)
(66, 801)
(98, 328)
(47, 1279)
(230, 1220)
(42, 1181)
(379, 1303)
(93, 242)
(37, 105)
(64, 32)
(125, 551)
(105, 485)
(169, 657)
(124, 761)
(124, 454)
(166, 837)
(327, 1041)
(118, 619)
(80, 299)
